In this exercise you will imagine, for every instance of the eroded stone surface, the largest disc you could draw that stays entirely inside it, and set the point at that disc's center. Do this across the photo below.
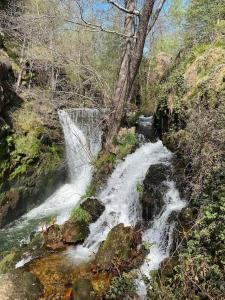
(20, 285)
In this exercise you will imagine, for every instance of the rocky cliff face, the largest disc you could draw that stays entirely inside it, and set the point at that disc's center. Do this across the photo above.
(31, 161)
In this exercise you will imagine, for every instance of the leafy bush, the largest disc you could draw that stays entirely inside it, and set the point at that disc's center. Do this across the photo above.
(27, 145)
(122, 286)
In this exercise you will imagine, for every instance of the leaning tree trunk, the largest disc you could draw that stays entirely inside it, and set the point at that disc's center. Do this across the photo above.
(131, 60)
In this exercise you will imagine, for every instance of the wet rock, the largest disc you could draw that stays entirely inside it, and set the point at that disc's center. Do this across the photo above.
(29, 191)
(154, 190)
(186, 216)
(83, 290)
(74, 232)
(94, 207)
(20, 285)
(53, 237)
(121, 249)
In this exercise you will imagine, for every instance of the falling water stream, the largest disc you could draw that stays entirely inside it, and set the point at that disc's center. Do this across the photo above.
(83, 141)
(120, 195)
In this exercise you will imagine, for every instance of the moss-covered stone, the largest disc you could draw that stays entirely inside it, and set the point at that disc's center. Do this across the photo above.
(94, 207)
(74, 232)
(7, 262)
(120, 249)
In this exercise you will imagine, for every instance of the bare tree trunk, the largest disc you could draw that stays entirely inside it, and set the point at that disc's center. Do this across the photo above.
(130, 64)
(123, 84)
(22, 62)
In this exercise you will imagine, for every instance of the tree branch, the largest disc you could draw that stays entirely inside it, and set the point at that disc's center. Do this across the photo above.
(156, 15)
(133, 12)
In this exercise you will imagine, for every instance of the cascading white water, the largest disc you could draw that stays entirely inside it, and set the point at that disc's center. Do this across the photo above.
(121, 200)
(121, 197)
(83, 141)
(82, 135)
(158, 236)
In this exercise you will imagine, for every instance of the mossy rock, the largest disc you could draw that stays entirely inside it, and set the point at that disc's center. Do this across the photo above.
(74, 232)
(20, 285)
(53, 237)
(94, 207)
(7, 262)
(120, 248)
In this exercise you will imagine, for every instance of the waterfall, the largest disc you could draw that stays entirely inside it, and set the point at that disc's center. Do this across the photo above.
(120, 197)
(82, 134)
(122, 205)
(83, 141)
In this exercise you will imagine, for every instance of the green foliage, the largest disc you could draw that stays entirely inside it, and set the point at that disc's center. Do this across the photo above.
(104, 159)
(20, 170)
(129, 139)
(122, 286)
(27, 145)
(140, 189)
(7, 262)
(203, 20)
(124, 144)
(80, 215)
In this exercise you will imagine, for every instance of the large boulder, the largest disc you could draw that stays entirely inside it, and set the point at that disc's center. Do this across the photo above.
(155, 188)
(76, 229)
(53, 237)
(20, 285)
(121, 249)
(74, 232)
(94, 207)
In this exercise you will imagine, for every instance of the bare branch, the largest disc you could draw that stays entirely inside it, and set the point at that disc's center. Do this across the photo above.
(156, 15)
(97, 28)
(133, 12)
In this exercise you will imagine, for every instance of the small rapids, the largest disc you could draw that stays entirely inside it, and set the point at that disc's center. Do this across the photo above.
(159, 236)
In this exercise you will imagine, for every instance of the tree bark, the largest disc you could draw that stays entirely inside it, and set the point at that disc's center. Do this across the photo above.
(131, 60)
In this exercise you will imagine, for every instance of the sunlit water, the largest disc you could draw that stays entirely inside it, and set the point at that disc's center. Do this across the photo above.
(83, 141)
(120, 195)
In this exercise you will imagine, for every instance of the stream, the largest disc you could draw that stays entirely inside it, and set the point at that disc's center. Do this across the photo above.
(120, 196)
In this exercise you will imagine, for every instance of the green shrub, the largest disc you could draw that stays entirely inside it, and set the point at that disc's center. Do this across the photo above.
(122, 286)
(27, 145)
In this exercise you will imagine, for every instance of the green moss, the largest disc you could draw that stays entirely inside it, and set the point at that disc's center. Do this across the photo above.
(80, 215)
(140, 189)
(195, 130)
(7, 262)
(104, 158)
